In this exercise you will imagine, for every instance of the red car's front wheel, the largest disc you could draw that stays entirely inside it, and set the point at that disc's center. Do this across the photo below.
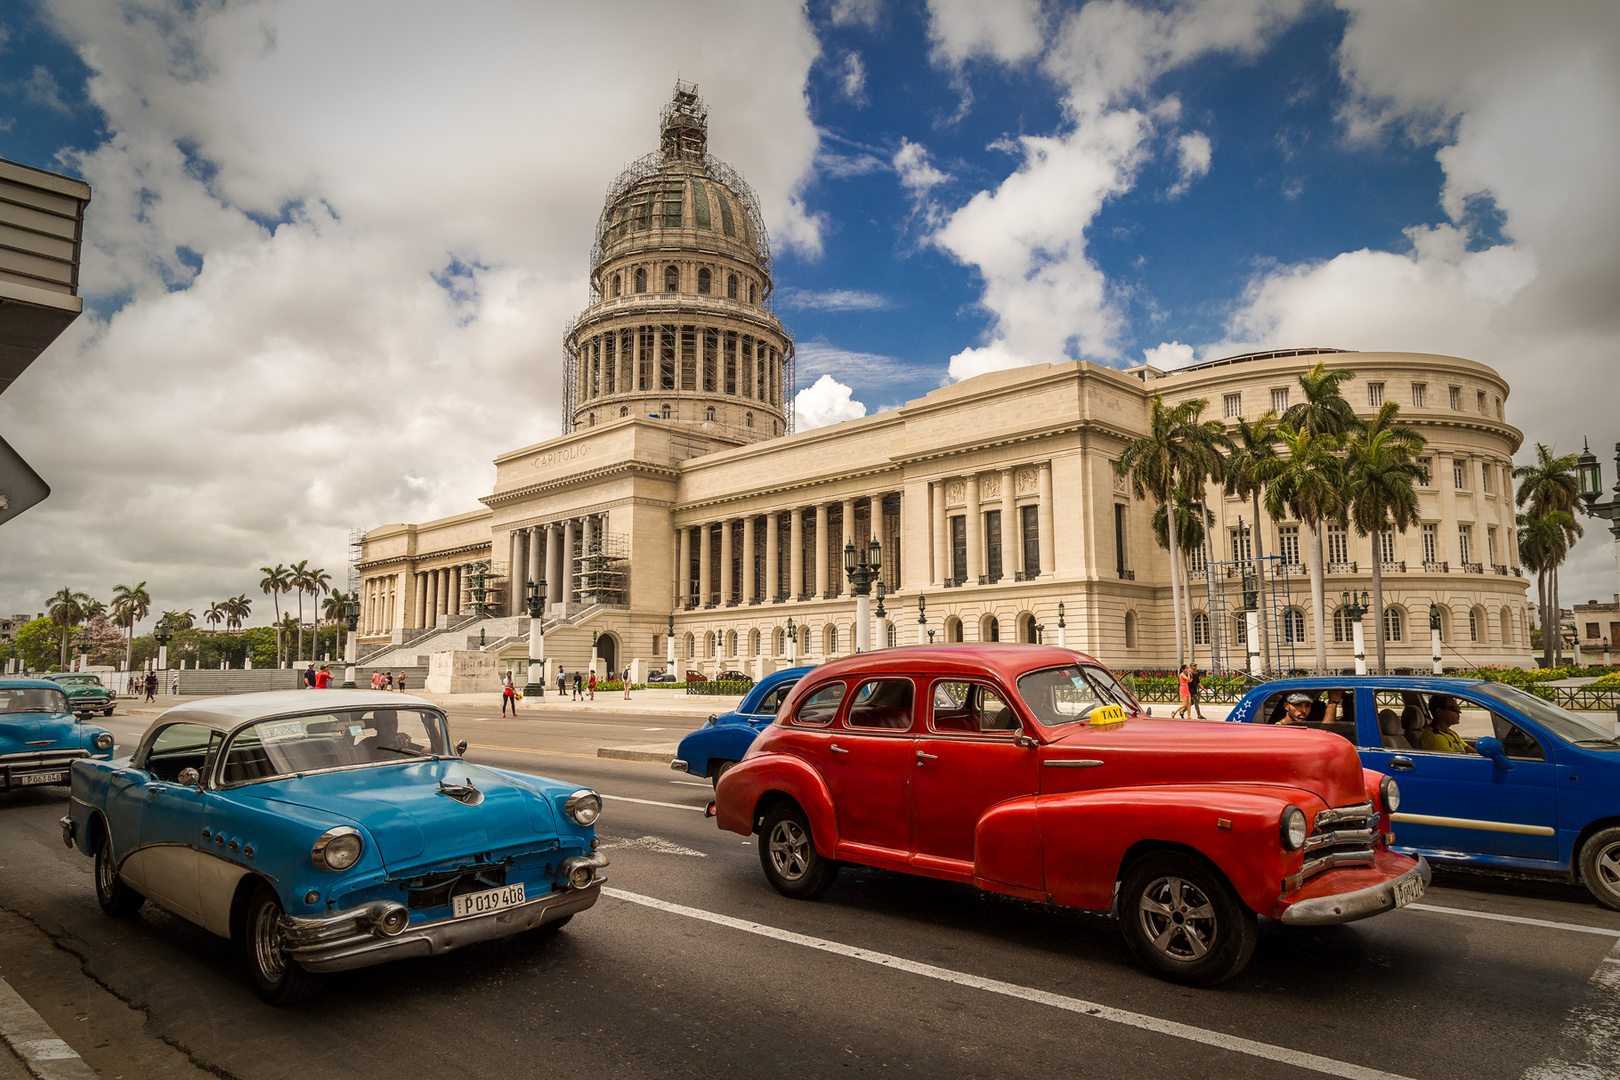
(1183, 919)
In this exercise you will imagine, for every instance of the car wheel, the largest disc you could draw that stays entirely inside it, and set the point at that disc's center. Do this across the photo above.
(277, 977)
(1600, 866)
(108, 711)
(115, 898)
(787, 851)
(721, 770)
(1183, 919)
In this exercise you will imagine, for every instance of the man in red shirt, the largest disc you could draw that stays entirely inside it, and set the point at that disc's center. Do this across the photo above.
(323, 678)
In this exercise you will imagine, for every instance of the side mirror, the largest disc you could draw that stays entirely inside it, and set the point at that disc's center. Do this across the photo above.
(189, 778)
(1492, 748)
(461, 747)
(1024, 740)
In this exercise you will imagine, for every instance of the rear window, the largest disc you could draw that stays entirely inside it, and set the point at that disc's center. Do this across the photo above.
(821, 706)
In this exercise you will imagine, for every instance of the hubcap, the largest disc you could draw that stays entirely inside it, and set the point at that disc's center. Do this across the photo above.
(104, 870)
(267, 942)
(1608, 868)
(1178, 919)
(790, 850)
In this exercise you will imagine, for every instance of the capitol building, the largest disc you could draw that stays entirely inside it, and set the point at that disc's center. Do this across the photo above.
(680, 496)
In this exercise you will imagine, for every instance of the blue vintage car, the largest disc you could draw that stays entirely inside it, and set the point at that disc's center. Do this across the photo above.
(1535, 788)
(326, 830)
(719, 744)
(40, 738)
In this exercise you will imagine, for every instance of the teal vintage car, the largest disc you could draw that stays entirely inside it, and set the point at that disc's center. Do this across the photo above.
(86, 694)
(40, 737)
(327, 830)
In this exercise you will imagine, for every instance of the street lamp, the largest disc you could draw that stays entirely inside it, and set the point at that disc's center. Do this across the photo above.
(351, 615)
(84, 645)
(1434, 635)
(922, 617)
(1040, 630)
(793, 643)
(1063, 638)
(164, 635)
(1589, 482)
(1355, 611)
(882, 616)
(669, 646)
(534, 598)
(862, 574)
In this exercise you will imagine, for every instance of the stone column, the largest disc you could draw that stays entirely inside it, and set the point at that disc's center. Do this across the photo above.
(821, 582)
(796, 553)
(444, 592)
(942, 539)
(1043, 520)
(455, 590)
(726, 552)
(874, 522)
(849, 538)
(515, 561)
(569, 533)
(975, 533)
(430, 601)
(773, 556)
(421, 600)
(554, 564)
(1012, 537)
(750, 580)
(686, 567)
(587, 543)
(705, 576)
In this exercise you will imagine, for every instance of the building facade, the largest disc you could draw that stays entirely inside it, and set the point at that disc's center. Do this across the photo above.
(679, 499)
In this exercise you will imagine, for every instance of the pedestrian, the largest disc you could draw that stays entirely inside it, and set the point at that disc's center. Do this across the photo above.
(376, 679)
(388, 680)
(579, 686)
(309, 675)
(151, 686)
(323, 678)
(1184, 692)
(593, 684)
(174, 685)
(130, 689)
(626, 680)
(402, 682)
(508, 695)
(562, 681)
(1194, 684)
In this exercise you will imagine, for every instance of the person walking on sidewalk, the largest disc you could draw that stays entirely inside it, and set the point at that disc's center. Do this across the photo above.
(1194, 685)
(562, 681)
(174, 685)
(626, 680)
(592, 685)
(1184, 692)
(402, 682)
(151, 686)
(323, 677)
(508, 695)
(579, 686)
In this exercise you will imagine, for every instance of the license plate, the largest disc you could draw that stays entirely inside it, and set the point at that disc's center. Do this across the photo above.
(481, 903)
(40, 778)
(1408, 891)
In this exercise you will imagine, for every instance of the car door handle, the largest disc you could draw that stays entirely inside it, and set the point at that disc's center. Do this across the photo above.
(930, 757)
(838, 749)
(1402, 763)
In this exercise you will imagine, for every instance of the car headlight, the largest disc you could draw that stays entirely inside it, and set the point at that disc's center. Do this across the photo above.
(1389, 793)
(104, 741)
(584, 806)
(338, 849)
(1293, 828)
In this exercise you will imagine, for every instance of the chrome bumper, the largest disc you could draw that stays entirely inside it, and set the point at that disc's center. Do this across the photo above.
(355, 939)
(69, 828)
(678, 765)
(1359, 904)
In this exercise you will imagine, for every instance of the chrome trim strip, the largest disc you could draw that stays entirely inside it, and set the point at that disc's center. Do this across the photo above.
(1471, 823)
(1072, 763)
(1356, 904)
(1341, 836)
(1335, 814)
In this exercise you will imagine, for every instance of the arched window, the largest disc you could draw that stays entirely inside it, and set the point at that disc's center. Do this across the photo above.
(708, 645)
(731, 644)
(990, 629)
(1294, 626)
(953, 629)
(749, 419)
(618, 284)
(1341, 626)
(1240, 630)
(691, 646)
(751, 292)
(1507, 627)
(1200, 628)
(704, 279)
(831, 638)
(731, 286)
(592, 421)
(753, 643)
(708, 414)
(666, 412)
(1473, 625)
(778, 642)
(892, 634)
(1130, 629)
(1392, 624)
(804, 640)
(624, 410)
(641, 279)
(672, 279)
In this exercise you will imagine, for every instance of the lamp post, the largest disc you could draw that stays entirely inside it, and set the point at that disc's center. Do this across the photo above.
(1040, 633)
(1063, 638)
(1434, 635)
(669, 646)
(351, 615)
(793, 643)
(930, 637)
(1589, 483)
(1355, 611)
(164, 635)
(84, 644)
(922, 617)
(595, 637)
(1251, 613)
(882, 618)
(862, 568)
(534, 598)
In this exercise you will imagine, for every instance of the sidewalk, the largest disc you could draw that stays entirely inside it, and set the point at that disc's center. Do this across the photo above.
(656, 702)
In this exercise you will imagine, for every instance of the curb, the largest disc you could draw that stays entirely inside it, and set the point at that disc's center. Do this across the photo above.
(43, 1054)
(658, 754)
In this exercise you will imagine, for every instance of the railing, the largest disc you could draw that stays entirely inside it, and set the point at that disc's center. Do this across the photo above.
(1341, 567)
(989, 579)
(1579, 698)
(1393, 567)
(1127, 575)
(1473, 568)
(832, 593)
(954, 582)
(1197, 575)
(1436, 568)
(1026, 575)
(807, 595)
(1295, 569)
(717, 688)
(752, 600)
(780, 598)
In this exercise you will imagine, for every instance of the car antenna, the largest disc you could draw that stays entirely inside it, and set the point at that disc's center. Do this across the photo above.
(1468, 662)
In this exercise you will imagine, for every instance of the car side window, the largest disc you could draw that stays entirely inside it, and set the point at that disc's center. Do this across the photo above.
(773, 700)
(970, 709)
(1328, 709)
(177, 747)
(820, 707)
(881, 704)
(1517, 743)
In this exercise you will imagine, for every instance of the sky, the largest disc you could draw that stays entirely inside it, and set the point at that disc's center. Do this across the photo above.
(333, 244)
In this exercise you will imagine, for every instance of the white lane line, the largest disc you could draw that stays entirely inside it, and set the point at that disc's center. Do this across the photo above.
(690, 783)
(1204, 1036)
(672, 805)
(1601, 931)
(1593, 1025)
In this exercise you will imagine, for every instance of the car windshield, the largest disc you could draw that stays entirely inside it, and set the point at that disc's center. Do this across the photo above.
(1571, 727)
(78, 680)
(1113, 688)
(1058, 696)
(32, 699)
(329, 740)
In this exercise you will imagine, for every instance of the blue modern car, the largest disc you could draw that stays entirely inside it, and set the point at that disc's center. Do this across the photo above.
(40, 737)
(326, 830)
(719, 744)
(1503, 780)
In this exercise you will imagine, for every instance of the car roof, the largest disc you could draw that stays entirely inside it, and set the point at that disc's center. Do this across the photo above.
(1004, 659)
(231, 712)
(1427, 683)
(20, 683)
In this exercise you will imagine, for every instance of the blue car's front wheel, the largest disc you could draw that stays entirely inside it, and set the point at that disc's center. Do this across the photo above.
(278, 978)
(1600, 866)
(115, 898)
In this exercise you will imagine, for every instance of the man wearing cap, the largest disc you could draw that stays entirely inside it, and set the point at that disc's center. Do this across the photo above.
(1297, 709)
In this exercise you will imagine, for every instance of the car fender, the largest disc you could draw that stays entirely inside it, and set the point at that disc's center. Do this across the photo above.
(1087, 837)
(1007, 846)
(724, 742)
(88, 781)
(743, 794)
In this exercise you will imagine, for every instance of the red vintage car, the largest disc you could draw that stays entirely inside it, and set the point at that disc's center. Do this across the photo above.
(1029, 770)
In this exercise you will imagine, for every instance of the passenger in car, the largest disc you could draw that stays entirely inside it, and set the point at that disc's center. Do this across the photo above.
(1297, 708)
(1439, 735)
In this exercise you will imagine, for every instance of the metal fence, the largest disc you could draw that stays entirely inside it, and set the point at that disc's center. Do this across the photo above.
(1579, 698)
(717, 687)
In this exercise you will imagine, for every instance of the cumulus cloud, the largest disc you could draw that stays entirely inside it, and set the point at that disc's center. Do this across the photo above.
(1168, 355)
(826, 401)
(1193, 153)
(831, 300)
(332, 279)
(852, 78)
(1007, 31)
(856, 12)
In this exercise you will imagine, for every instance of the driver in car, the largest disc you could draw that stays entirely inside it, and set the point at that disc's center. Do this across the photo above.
(1439, 734)
(388, 736)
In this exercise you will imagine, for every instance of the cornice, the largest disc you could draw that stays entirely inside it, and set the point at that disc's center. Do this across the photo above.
(638, 468)
(442, 553)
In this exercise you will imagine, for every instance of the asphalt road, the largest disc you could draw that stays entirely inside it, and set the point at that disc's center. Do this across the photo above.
(693, 966)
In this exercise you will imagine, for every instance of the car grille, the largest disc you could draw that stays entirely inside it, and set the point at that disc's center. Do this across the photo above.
(1342, 836)
(435, 890)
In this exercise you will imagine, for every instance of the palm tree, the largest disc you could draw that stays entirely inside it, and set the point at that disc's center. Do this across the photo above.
(237, 608)
(1544, 543)
(180, 620)
(67, 611)
(216, 614)
(298, 582)
(92, 608)
(273, 584)
(1179, 451)
(1324, 410)
(1382, 474)
(1549, 487)
(1252, 444)
(129, 606)
(314, 581)
(1309, 482)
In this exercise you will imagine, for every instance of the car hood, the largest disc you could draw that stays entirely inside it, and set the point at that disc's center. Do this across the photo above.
(56, 730)
(1147, 752)
(411, 822)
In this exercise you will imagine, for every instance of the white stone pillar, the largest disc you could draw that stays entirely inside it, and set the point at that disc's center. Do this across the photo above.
(773, 556)
(536, 685)
(750, 579)
(796, 553)
(554, 564)
(1252, 638)
(942, 540)
(821, 583)
(1043, 520)
(1012, 537)
(532, 571)
(848, 508)
(686, 568)
(515, 561)
(588, 543)
(975, 533)
(569, 534)
(705, 578)
(726, 553)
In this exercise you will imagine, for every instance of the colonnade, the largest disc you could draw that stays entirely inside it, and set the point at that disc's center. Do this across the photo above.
(990, 526)
(439, 592)
(550, 552)
(673, 357)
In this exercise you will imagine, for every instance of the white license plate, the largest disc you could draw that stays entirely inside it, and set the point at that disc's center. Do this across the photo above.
(40, 778)
(1408, 891)
(481, 903)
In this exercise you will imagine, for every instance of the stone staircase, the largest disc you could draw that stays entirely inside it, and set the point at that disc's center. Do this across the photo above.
(568, 642)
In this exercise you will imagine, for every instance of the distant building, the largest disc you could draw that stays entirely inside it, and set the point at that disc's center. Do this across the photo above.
(1597, 625)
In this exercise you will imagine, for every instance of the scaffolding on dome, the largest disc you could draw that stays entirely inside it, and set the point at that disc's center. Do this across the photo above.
(357, 543)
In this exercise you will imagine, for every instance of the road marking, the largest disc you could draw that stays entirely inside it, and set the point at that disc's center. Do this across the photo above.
(654, 802)
(690, 783)
(526, 750)
(653, 843)
(1601, 931)
(652, 729)
(1204, 1036)
(1594, 1025)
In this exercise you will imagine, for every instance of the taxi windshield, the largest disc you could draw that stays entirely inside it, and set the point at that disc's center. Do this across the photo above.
(1058, 696)
(331, 740)
(32, 699)
(1571, 727)
(77, 680)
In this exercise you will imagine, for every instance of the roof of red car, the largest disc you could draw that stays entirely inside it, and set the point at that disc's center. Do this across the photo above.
(1003, 659)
